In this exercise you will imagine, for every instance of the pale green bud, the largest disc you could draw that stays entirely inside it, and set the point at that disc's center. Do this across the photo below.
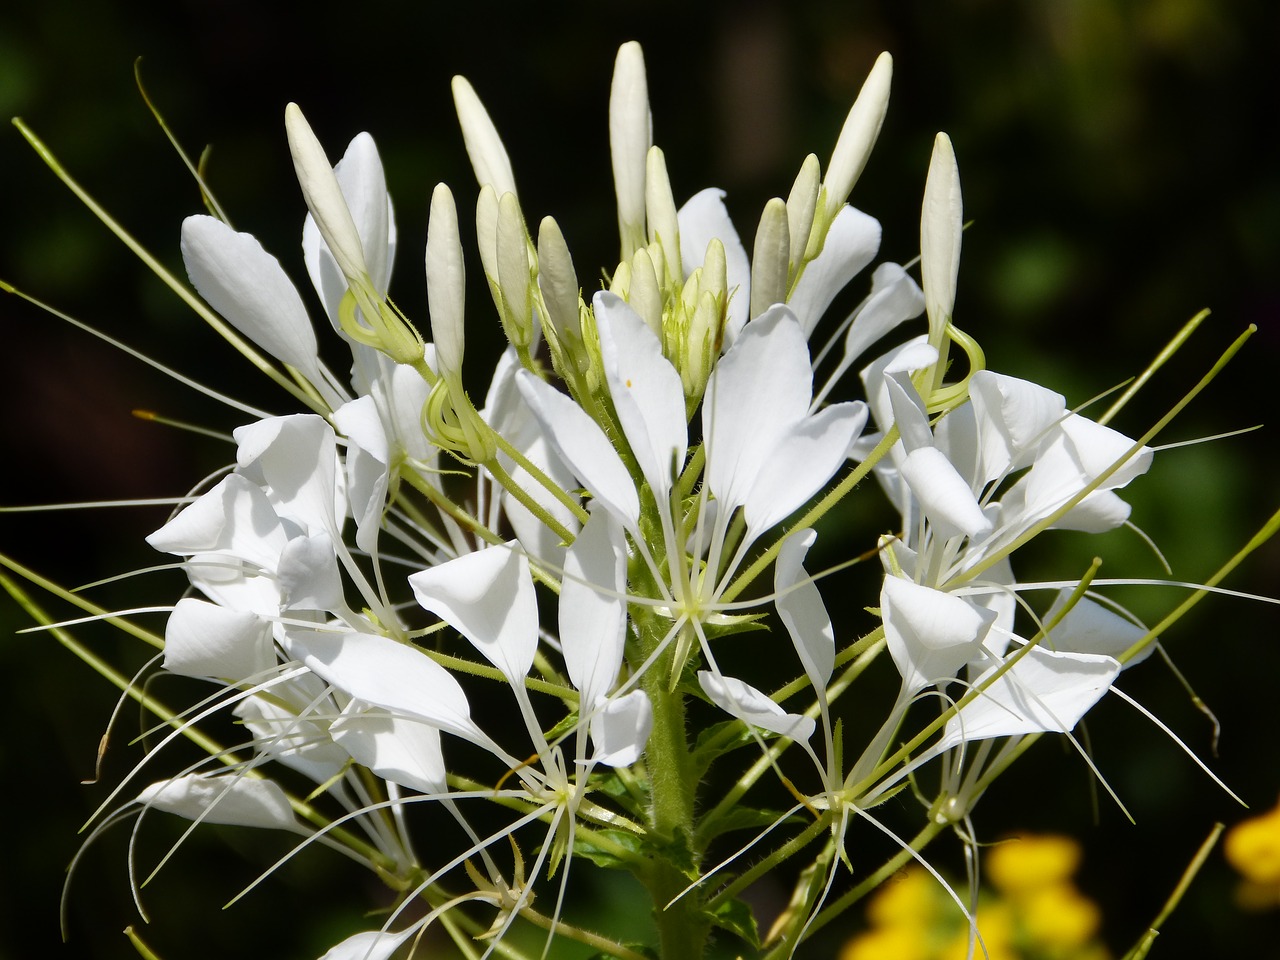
(446, 281)
(802, 202)
(858, 136)
(488, 156)
(941, 223)
(699, 349)
(620, 282)
(630, 136)
(660, 206)
(324, 197)
(515, 274)
(645, 295)
(561, 295)
(487, 233)
(769, 258)
(363, 313)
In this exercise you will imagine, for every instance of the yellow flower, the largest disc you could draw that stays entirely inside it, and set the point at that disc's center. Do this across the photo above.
(909, 897)
(1028, 862)
(1253, 848)
(1058, 917)
(996, 924)
(901, 941)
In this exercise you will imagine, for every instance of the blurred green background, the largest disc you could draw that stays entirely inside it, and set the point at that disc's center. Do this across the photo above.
(1118, 164)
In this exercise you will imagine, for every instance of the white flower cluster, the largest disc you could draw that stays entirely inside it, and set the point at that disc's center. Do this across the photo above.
(591, 532)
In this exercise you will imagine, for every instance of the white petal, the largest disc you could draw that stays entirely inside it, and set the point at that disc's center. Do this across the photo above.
(297, 458)
(1013, 417)
(593, 614)
(895, 297)
(368, 456)
(206, 640)
(802, 611)
(387, 674)
(753, 706)
(759, 391)
(250, 289)
(621, 729)
(802, 464)
(930, 634)
(225, 798)
(370, 945)
(852, 242)
(583, 446)
(402, 751)
(1090, 627)
(703, 219)
(1043, 692)
(234, 517)
(309, 576)
(944, 495)
(646, 391)
(487, 597)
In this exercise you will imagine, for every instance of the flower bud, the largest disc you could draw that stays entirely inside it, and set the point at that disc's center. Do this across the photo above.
(660, 206)
(769, 258)
(858, 136)
(630, 136)
(941, 223)
(488, 156)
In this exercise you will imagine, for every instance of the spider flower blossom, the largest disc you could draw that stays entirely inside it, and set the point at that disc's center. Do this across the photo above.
(367, 576)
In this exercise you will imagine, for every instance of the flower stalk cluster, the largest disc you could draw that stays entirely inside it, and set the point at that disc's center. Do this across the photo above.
(590, 542)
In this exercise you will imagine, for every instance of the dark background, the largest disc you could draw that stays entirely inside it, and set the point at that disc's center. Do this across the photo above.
(1116, 160)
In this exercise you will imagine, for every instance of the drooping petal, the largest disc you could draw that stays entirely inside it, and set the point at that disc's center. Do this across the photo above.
(368, 456)
(1045, 691)
(621, 728)
(207, 640)
(400, 750)
(488, 598)
(593, 613)
(388, 674)
(752, 706)
(944, 495)
(309, 576)
(1013, 418)
(234, 517)
(224, 798)
(802, 611)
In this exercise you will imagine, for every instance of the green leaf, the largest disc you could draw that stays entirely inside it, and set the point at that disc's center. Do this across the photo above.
(583, 847)
(742, 818)
(736, 917)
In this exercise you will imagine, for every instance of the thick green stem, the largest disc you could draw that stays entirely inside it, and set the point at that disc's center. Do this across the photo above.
(683, 927)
